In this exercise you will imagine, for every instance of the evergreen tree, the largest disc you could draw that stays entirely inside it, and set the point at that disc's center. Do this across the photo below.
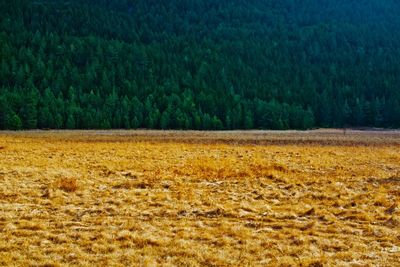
(70, 122)
(308, 119)
(13, 122)
(28, 112)
(4, 113)
(165, 120)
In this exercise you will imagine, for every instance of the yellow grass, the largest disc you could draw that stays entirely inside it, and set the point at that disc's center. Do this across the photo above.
(126, 198)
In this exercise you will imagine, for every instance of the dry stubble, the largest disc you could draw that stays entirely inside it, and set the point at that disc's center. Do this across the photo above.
(90, 198)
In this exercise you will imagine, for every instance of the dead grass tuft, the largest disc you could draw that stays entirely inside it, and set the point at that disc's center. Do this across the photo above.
(308, 213)
(230, 168)
(132, 185)
(391, 209)
(68, 185)
(316, 264)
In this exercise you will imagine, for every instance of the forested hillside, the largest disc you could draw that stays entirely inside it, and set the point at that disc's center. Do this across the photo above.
(199, 64)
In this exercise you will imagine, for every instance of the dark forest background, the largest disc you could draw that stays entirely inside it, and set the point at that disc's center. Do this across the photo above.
(199, 64)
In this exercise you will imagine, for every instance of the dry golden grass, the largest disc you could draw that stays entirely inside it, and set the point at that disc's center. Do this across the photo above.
(126, 198)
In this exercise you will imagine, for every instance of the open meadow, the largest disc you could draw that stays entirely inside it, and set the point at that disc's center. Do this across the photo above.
(149, 198)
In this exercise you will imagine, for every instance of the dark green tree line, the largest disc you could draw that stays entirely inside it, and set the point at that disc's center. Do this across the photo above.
(188, 64)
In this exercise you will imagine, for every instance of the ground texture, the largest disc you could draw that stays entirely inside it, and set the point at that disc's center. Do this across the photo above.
(123, 198)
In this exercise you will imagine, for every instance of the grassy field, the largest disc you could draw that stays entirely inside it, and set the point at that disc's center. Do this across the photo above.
(148, 198)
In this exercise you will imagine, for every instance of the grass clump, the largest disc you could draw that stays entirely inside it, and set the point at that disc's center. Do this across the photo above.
(68, 185)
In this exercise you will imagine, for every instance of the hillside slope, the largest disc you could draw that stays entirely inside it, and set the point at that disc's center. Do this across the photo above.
(189, 64)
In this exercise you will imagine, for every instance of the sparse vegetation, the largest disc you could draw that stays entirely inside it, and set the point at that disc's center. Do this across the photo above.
(222, 199)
